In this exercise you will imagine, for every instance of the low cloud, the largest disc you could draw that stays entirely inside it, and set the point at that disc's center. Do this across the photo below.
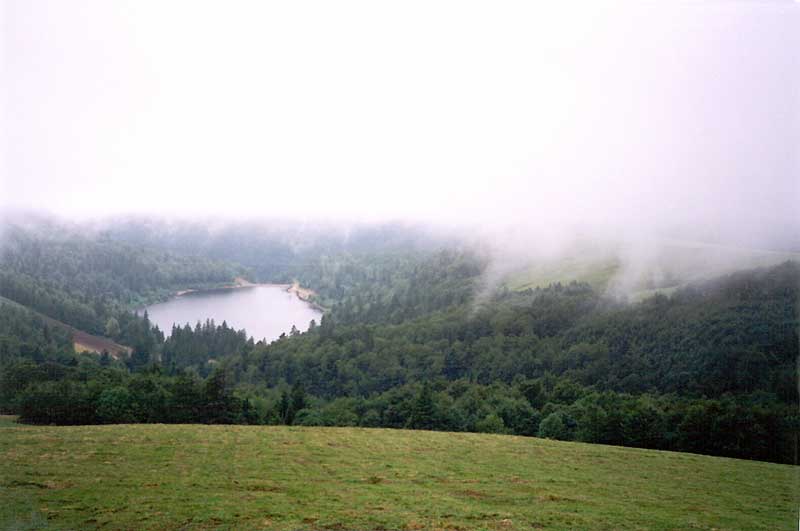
(528, 127)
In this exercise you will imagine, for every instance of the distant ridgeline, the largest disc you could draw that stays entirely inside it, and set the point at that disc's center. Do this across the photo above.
(276, 251)
(709, 369)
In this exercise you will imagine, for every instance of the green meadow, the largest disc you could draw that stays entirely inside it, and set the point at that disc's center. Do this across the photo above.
(243, 477)
(670, 265)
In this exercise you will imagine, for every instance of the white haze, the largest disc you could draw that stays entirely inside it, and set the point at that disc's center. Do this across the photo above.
(602, 119)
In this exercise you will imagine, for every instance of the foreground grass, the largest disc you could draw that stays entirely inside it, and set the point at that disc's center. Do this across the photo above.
(226, 477)
(7, 421)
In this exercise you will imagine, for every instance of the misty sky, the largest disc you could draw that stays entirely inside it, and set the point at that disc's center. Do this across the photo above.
(609, 115)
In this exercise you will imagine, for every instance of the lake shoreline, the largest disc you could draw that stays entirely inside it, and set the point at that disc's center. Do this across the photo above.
(304, 294)
(264, 313)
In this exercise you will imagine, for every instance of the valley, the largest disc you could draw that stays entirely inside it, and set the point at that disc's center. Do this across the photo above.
(549, 401)
(265, 310)
(399, 266)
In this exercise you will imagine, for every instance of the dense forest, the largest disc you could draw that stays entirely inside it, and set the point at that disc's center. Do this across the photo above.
(85, 281)
(275, 251)
(711, 368)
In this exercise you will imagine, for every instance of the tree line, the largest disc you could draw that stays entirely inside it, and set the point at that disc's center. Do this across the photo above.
(709, 369)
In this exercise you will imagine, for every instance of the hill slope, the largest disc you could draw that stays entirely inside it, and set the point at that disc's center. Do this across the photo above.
(82, 341)
(224, 477)
(660, 267)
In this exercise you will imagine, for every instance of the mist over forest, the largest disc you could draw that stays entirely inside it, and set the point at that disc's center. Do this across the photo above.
(413, 316)
(349, 254)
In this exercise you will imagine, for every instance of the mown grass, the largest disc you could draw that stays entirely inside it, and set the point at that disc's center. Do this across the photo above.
(240, 477)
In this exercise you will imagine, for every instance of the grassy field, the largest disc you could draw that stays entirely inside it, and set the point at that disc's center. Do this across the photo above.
(240, 477)
(596, 273)
(664, 268)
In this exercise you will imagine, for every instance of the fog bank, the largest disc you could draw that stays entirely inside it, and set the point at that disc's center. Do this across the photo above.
(529, 124)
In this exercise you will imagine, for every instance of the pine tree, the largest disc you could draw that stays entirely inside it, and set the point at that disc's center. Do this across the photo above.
(112, 328)
(298, 399)
(283, 408)
(217, 398)
(422, 410)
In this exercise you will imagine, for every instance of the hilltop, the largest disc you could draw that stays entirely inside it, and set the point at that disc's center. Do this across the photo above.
(638, 272)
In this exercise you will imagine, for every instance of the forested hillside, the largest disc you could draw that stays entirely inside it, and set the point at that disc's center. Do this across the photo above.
(407, 342)
(275, 251)
(85, 281)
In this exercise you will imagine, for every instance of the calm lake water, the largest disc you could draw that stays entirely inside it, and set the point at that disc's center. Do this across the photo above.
(264, 311)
